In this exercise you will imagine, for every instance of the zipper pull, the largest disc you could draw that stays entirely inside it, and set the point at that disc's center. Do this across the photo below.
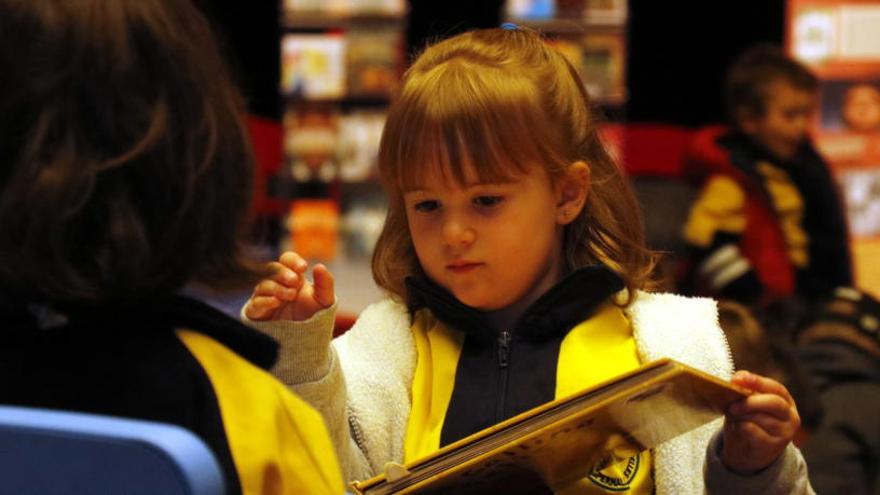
(504, 339)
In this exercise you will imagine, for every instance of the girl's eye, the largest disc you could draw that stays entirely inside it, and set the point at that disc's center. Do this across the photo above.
(488, 201)
(426, 206)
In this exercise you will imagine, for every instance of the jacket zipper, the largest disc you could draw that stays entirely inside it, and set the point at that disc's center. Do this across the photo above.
(504, 341)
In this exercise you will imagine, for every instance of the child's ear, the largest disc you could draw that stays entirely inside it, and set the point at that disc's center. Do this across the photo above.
(572, 190)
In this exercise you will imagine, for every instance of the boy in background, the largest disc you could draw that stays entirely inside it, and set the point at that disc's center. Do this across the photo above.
(768, 223)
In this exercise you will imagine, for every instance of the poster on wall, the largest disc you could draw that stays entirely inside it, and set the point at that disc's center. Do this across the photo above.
(840, 42)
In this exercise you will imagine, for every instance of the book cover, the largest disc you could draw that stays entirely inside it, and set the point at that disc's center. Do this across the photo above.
(603, 66)
(313, 65)
(531, 9)
(360, 133)
(562, 441)
(612, 12)
(311, 142)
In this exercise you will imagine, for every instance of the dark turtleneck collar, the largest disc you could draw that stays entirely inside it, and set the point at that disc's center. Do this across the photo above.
(160, 314)
(566, 304)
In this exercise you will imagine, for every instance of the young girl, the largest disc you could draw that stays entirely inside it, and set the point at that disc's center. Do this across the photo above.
(514, 259)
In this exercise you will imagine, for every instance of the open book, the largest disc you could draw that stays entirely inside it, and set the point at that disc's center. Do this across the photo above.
(562, 441)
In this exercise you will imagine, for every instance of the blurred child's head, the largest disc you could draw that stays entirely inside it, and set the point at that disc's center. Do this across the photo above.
(861, 107)
(771, 98)
(489, 110)
(847, 315)
(126, 166)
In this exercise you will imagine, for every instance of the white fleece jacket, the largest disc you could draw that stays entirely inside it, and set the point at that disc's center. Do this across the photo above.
(361, 384)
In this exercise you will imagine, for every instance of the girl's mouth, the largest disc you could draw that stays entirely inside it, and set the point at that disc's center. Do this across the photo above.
(463, 267)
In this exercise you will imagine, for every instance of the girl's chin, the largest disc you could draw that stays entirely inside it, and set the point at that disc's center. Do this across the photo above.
(480, 303)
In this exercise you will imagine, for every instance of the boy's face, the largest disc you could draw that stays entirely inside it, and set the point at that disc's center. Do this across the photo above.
(492, 245)
(784, 125)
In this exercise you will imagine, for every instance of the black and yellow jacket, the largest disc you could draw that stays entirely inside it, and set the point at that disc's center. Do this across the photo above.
(762, 228)
(177, 361)
(405, 381)
(572, 337)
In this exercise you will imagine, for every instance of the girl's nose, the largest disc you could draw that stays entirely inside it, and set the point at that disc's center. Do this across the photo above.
(458, 233)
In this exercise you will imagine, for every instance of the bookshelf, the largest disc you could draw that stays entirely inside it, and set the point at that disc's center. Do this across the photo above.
(340, 62)
(591, 34)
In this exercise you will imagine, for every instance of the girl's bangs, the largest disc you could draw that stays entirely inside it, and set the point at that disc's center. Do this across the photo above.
(462, 122)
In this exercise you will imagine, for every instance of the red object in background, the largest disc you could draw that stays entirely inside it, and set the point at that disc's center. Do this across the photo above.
(343, 323)
(655, 150)
(266, 137)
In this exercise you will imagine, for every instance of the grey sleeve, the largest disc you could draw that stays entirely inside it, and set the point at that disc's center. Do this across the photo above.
(786, 476)
(309, 366)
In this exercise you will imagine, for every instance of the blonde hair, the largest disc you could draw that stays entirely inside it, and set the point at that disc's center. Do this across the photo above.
(501, 101)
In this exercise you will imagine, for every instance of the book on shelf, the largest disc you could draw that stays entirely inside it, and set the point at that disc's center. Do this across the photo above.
(375, 61)
(313, 65)
(313, 225)
(311, 141)
(341, 8)
(359, 135)
(603, 65)
(562, 441)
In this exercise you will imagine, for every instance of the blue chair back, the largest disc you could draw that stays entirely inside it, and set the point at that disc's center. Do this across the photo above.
(58, 452)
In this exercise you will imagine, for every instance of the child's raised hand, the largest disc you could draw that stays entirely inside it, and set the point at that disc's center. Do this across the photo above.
(758, 428)
(287, 294)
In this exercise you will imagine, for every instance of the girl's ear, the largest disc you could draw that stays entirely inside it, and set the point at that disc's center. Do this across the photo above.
(572, 190)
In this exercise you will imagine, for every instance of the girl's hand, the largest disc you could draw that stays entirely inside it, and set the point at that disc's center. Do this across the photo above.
(287, 295)
(758, 428)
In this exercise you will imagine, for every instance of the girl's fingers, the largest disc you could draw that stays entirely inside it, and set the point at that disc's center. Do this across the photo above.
(323, 285)
(762, 403)
(271, 288)
(293, 261)
(761, 384)
(768, 424)
(261, 307)
(748, 429)
(285, 275)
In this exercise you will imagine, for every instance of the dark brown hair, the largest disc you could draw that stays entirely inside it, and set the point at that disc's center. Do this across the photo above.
(749, 346)
(126, 166)
(503, 100)
(754, 71)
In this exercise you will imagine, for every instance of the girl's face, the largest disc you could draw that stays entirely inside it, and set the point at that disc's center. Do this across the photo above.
(495, 246)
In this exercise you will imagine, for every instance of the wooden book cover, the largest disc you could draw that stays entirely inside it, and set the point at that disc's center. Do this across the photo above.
(562, 441)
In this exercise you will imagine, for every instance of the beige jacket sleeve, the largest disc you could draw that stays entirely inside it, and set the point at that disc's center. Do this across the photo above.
(309, 366)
